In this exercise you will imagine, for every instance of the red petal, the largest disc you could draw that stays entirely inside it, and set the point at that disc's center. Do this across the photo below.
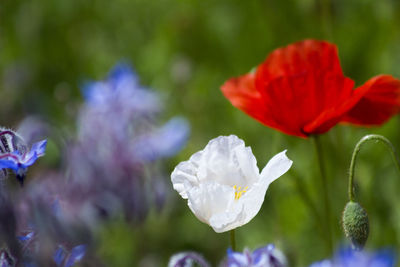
(298, 58)
(241, 92)
(334, 112)
(380, 102)
(299, 106)
(304, 87)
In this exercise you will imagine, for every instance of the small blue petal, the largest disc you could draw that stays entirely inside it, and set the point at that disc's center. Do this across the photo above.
(77, 253)
(39, 147)
(27, 237)
(59, 255)
(9, 163)
(29, 159)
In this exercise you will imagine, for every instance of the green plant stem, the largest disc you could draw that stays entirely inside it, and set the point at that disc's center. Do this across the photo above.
(370, 137)
(233, 240)
(325, 191)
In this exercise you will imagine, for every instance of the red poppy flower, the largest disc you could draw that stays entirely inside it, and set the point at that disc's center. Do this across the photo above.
(301, 90)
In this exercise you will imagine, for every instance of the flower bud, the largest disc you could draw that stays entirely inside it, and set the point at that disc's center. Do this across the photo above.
(355, 224)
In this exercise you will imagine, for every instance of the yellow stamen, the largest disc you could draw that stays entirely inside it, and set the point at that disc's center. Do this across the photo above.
(239, 192)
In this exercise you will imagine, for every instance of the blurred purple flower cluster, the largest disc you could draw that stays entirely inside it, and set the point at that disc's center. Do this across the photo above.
(113, 162)
(111, 167)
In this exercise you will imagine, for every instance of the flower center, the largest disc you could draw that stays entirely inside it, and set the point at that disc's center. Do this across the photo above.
(239, 191)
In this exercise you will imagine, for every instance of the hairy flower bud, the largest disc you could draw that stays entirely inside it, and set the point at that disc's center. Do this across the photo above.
(355, 224)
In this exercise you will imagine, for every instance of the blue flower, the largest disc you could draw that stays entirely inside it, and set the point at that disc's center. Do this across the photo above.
(19, 161)
(65, 258)
(347, 257)
(187, 259)
(114, 161)
(267, 256)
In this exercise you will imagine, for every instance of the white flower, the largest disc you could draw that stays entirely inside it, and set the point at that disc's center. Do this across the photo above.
(222, 183)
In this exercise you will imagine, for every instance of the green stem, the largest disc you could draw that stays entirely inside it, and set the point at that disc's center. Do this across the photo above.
(325, 191)
(233, 240)
(375, 137)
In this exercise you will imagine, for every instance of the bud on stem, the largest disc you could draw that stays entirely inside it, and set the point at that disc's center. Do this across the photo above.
(355, 224)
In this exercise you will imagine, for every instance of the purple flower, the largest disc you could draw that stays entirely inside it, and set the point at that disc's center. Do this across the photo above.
(347, 257)
(267, 256)
(114, 161)
(64, 258)
(14, 154)
(187, 259)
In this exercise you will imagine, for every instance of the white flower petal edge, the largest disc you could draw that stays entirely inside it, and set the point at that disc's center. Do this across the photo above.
(223, 184)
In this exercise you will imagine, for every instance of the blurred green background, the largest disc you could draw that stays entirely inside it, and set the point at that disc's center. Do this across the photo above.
(186, 49)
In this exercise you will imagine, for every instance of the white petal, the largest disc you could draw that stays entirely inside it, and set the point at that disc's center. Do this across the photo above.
(184, 177)
(254, 198)
(247, 164)
(276, 167)
(227, 220)
(214, 204)
(226, 160)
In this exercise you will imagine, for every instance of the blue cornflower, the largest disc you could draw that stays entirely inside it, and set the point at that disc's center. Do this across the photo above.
(14, 154)
(347, 257)
(267, 256)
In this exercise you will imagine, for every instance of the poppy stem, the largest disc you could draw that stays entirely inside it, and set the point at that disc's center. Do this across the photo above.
(325, 191)
(233, 239)
(377, 138)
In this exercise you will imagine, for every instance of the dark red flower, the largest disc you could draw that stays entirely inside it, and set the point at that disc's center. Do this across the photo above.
(301, 90)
